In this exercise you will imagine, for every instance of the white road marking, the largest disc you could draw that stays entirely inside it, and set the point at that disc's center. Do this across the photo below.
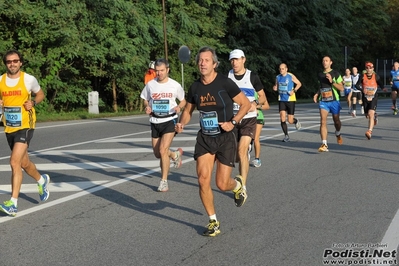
(55, 187)
(89, 165)
(390, 239)
(52, 203)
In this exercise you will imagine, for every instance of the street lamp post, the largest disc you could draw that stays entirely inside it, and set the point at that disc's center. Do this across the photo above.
(164, 30)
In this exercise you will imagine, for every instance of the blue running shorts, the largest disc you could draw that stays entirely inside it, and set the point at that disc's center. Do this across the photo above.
(333, 107)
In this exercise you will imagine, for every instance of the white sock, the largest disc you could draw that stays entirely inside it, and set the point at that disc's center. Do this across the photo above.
(324, 142)
(15, 201)
(213, 217)
(238, 185)
(41, 181)
(337, 133)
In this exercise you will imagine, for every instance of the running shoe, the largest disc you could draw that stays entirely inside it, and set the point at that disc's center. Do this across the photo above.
(212, 229)
(362, 110)
(177, 161)
(9, 208)
(395, 111)
(323, 148)
(353, 113)
(368, 134)
(375, 119)
(286, 138)
(339, 139)
(43, 189)
(298, 125)
(240, 195)
(257, 163)
(163, 186)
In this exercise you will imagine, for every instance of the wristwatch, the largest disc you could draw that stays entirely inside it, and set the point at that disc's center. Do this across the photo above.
(233, 122)
(33, 103)
(257, 102)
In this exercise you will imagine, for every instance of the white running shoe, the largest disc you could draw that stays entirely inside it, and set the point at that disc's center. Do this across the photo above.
(298, 125)
(163, 186)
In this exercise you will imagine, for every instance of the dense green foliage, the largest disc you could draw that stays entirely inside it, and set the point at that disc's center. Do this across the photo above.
(76, 46)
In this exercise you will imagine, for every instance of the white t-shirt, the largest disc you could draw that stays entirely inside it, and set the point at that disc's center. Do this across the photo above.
(31, 83)
(162, 98)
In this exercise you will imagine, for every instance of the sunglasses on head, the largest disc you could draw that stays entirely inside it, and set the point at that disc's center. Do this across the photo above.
(12, 61)
(369, 67)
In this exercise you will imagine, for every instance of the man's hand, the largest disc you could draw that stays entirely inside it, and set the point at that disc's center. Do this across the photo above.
(179, 128)
(315, 98)
(28, 105)
(227, 126)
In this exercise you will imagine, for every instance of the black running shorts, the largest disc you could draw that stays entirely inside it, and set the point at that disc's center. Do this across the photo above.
(289, 107)
(370, 105)
(223, 145)
(23, 136)
(158, 130)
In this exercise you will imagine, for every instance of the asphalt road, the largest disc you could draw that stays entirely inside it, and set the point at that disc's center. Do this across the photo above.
(304, 207)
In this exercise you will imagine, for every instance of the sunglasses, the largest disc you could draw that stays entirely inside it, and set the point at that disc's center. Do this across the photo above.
(12, 61)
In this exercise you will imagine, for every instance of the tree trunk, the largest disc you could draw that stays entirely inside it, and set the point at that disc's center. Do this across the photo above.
(114, 103)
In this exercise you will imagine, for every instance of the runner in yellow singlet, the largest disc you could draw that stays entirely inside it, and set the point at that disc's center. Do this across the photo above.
(16, 88)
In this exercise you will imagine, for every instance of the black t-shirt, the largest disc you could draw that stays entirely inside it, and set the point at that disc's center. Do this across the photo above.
(215, 96)
(324, 82)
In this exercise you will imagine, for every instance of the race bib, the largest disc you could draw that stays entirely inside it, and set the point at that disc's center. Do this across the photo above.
(369, 93)
(13, 116)
(160, 107)
(209, 123)
(327, 94)
(283, 88)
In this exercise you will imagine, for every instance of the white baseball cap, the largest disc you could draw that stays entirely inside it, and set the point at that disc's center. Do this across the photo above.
(237, 53)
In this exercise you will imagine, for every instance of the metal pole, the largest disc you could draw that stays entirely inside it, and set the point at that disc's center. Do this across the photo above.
(164, 30)
(182, 76)
(385, 73)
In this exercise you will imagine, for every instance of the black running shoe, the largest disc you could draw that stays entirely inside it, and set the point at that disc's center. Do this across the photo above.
(240, 195)
(212, 229)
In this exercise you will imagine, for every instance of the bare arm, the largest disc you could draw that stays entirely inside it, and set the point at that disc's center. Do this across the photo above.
(39, 97)
(180, 106)
(275, 87)
(339, 86)
(244, 104)
(316, 96)
(185, 117)
(265, 104)
(147, 107)
(298, 84)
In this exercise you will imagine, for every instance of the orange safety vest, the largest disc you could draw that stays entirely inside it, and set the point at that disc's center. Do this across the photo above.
(149, 75)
